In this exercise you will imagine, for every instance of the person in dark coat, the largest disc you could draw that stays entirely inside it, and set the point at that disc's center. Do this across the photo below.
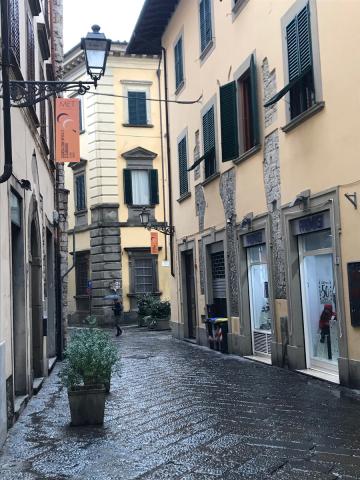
(118, 309)
(324, 325)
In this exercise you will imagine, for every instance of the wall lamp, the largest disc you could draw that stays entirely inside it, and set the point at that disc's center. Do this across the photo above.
(28, 93)
(162, 227)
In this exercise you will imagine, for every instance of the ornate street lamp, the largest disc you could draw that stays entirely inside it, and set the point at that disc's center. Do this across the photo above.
(162, 227)
(96, 47)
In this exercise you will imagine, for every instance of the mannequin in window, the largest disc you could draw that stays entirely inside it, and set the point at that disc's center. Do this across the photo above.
(324, 325)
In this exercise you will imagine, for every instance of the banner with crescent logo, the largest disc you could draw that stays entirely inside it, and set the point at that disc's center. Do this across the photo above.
(67, 113)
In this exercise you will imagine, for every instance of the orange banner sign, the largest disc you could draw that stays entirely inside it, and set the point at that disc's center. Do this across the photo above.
(154, 243)
(67, 130)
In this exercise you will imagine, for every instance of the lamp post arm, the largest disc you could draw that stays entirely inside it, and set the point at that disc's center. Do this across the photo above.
(6, 92)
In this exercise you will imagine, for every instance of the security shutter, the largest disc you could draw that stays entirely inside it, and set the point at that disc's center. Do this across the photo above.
(154, 187)
(229, 123)
(179, 68)
(183, 174)
(137, 108)
(209, 142)
(218, 275)
(298, 38)
(127, 187)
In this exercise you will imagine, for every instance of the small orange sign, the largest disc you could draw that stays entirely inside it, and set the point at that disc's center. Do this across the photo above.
(154, 243)
(67, 130)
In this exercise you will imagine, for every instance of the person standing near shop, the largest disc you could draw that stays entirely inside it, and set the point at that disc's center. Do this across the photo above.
(118, 312)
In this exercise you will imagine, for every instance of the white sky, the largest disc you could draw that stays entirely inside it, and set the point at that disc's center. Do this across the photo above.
(116, 18)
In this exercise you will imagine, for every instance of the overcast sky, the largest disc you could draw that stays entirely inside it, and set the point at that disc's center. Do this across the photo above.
(116, 18)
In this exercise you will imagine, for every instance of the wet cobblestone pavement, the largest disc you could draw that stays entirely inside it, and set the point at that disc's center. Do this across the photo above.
(177, 411)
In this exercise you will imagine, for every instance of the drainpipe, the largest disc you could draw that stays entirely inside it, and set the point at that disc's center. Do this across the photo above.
(158, 73)
(6, 91)
(169, 160)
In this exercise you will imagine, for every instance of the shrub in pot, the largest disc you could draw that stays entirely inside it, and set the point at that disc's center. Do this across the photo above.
(160, 315)
(144, 304)
(89, 358)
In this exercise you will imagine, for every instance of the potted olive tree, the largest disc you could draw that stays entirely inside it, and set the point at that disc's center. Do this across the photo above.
(89, 358)
(160, 315)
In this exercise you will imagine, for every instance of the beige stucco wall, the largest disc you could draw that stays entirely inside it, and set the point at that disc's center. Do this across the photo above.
(319, 154)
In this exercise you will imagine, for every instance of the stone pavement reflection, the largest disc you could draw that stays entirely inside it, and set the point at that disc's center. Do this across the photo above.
(177, 411)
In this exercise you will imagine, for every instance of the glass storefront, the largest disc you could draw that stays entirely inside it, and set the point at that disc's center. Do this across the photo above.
(259, 299)
(319, 300)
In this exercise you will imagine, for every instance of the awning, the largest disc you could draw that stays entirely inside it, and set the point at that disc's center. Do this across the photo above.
(288, 87)
(199, 160)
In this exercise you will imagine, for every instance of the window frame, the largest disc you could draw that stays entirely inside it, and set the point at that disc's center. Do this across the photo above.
(183, 136)
(136, 86)
(140, 254)
(285, 21)
(148, 170)
(212, 103)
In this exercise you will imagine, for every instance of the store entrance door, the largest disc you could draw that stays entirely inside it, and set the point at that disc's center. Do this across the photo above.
(190, 294)
(259, 300)
(321, 326)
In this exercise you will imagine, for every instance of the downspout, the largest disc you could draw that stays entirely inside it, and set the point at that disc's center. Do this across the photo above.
(169, 161)
(158, 73)
(5, 66)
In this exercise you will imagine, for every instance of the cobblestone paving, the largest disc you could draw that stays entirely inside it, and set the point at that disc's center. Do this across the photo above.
(177, 411)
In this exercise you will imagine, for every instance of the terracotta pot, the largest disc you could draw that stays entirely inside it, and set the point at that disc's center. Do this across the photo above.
(87, 405)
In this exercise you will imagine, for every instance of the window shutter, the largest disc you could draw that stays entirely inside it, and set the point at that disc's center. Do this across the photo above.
(254, 102)
(80, 192)
(202, 25)
(298, 38)
(179, 72)
(209, 142)
(137, 108)
(208, 22)
(127, 187)
(154, 187)
(183, 174)
(229, 123)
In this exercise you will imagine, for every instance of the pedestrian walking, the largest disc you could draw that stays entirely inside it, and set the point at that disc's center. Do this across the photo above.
(118, 311)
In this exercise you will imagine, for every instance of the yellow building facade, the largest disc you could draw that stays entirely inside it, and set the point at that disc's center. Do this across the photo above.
(121, 172)
(265, 175)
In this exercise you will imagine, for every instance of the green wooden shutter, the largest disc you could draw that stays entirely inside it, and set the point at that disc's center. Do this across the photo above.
(202, 25)
(127, 187)
(154, 187)
(183, 174)
(229, 122)
(137, 108)
(179, 69)
(209, 142)
(298, 39)
(254, 102)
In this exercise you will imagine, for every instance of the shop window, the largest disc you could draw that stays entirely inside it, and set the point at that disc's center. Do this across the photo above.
(141, 187)
(239, 114)
(208, 122)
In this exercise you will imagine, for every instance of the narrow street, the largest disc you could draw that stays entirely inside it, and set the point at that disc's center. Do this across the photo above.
(177, 411)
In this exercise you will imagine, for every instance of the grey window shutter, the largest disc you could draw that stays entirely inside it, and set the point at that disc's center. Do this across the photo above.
(137, 108)
(179, 69)
(183, 174)
(209, 142)
(298, 39)
(127, 187)
(229, 122)
(154, 187)
(202, 25)
(80, 192)
(208, 23)
(254, 102)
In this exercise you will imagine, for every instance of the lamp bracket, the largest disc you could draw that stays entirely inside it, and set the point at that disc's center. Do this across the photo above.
(352, 197)
(29, 93)
(161, 227)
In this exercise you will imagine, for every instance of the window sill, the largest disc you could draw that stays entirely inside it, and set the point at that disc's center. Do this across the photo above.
(183, 197)
(303, 116)
(80, 212)
(247, 154)
(210, 179)
(207, 50)
(238, 7)
(180, 88)
(133, 295)
(133, 125)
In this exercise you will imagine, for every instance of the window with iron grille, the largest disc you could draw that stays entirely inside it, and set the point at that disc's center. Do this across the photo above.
(208, 121)
(80, 192)
(218, 265)
(15, 29)
(82, 272)
(183, 166)
(144, 275)
(30, 48)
